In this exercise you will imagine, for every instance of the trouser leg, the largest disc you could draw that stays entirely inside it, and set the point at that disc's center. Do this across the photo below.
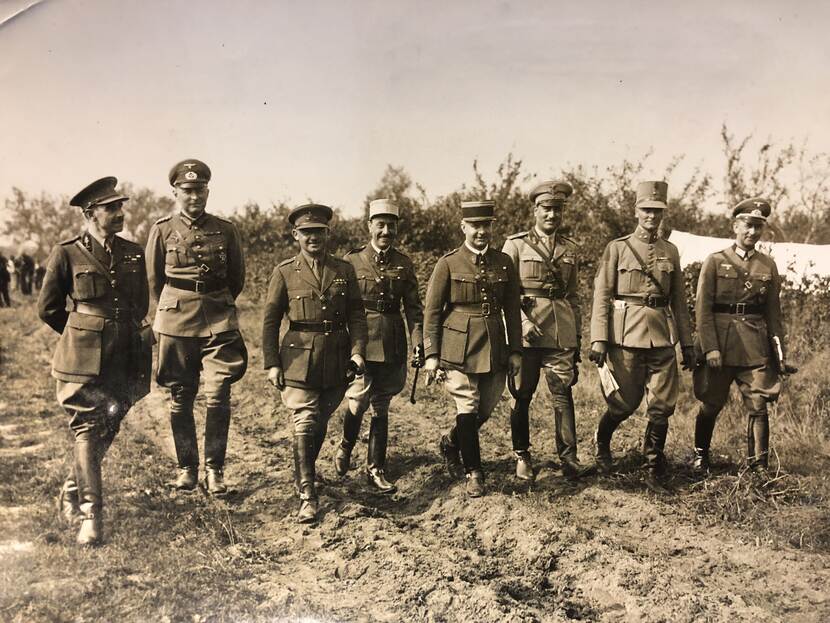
(467, 432)
(757, 438)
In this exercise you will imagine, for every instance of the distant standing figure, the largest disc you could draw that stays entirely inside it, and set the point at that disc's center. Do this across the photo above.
(5, 278)
(740, 335)
(196, 271)
(639, 314)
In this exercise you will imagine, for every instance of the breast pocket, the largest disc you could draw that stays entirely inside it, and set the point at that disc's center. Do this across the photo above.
(664, 270)
(498, 283)
(629, 276)
(176, 257)
(726, 285)
(369, 286)
(566, 265)
(531, 267)
(464, 288)
(301, 304)
(88, 283)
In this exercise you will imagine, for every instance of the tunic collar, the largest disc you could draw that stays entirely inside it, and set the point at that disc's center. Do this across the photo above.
(645, 236)
(744, 255)
(476, 251)
(190, 222)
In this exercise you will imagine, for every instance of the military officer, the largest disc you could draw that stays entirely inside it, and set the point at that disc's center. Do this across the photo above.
(387, 279)
(324, 345)
(97, 363)
(551, 327)
(470, 290)
(740, 335)
(639, 314)
(196, 271)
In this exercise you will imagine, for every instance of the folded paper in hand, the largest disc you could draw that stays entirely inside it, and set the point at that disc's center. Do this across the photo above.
(607, 380)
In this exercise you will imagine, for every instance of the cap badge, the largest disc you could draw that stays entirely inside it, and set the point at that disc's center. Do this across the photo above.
(189, 165)
(190, 175)
(758, 204)
(756, 212)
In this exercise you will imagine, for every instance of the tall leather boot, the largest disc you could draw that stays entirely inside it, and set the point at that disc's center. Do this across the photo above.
(602, 437)
(704, 427)
(448, 446)
(304, 452)
(351, 429)
(68, 502)
(376, 455)
(88, 473)
(467, 430)
(320, 437)
(217, 423)
(520, 432)
(184, 437)
(654, 443)
(565, 425)
(757, 438)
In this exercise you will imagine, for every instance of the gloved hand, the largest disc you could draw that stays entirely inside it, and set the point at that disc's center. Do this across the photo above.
(432, 373)
(599, 352)
(714, 360)
(689, 358)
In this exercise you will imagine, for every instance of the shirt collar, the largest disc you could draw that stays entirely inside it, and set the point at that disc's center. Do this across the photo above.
(191, 221)
(542, 234)
(310, 260)
(102, 241)
(378, 251)
(476, 251)
(645, 236)
(744, 255)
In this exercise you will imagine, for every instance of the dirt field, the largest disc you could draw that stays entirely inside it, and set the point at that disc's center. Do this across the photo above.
(729, 548)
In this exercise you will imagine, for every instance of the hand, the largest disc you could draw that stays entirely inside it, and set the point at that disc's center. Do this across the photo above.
(575, 378)
(514, 364)
(432, 374)
(418, 356)
(276, 377)
(360, 364)
(599, 351)
(532, 332)
(713, 360)
(689, 357)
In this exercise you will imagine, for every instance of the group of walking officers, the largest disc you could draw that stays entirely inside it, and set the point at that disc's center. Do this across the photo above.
(490, 317)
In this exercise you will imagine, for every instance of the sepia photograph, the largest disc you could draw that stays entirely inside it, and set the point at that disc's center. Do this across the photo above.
(369, 311)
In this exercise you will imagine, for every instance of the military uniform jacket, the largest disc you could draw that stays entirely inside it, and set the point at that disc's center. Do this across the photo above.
(465, 339)
(204, 249)
(88, 343)
(313, 359)
(549, 284)
(726, 279)
(383, 286)
(620, 274)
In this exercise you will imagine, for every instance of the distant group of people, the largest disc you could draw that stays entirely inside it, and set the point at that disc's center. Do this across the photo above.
(21, 273)
(356, 324)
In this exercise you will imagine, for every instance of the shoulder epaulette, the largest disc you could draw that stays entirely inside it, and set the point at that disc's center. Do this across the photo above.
(222, 218)
(69, 241)
(163, 219)
(521, 234)
(400, 253)
(569, 239)
(286, 262)
(621, 238)
(450, 253)
(356, 250)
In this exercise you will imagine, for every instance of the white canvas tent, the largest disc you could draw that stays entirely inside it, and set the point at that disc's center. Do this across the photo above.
(794, 259)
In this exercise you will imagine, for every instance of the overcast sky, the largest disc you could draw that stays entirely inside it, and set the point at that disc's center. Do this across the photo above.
(298, 100)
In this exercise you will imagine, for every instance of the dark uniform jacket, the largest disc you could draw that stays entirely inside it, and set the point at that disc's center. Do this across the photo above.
(91, 342)
(549, 282)
(383, 286)
(463, 311)
(314, 359)
(726, 280)
(617, 317)
(207, 250)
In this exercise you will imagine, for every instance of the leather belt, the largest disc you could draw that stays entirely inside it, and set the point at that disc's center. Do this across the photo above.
(545, 293)
(647, 300)
(119, 314)
(738, 309)
(383, 307)
(324, 326)
(193, 285)
(476, 309)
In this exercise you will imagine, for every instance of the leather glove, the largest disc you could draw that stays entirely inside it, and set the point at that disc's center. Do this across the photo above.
(599, 352)
(689, 358)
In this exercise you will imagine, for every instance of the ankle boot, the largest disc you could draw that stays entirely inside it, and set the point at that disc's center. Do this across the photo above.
(376, 455)
(351, 429)
(605, 429)
(217, 423)
(304, 448)
(88, 473)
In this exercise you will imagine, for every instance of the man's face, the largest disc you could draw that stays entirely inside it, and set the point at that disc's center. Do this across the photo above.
(477, 233)
(108, 218)
(650, 218)
(312, 240)
(191, 199)
(548, 217)
(384, 231)
(747, 232)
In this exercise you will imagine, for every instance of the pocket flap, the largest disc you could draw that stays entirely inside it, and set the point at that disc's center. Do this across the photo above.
(727, 271)
(83, 321)
(300, 294)
(168, 300)
(466, 277)
(628, 262)
(457, 322)
(298, 339)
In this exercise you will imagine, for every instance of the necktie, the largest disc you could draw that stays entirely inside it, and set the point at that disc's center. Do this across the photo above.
(381, 257)
(315, 268)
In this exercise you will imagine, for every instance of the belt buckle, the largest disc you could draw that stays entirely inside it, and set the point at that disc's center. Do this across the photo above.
(328, 326)
(485, 309)
(381, 306)
(740, 308)
(200, 286)
(551, 292)
(651, 300)
(116, 314)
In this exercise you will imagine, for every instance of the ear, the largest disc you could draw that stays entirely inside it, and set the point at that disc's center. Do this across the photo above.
(296, 234)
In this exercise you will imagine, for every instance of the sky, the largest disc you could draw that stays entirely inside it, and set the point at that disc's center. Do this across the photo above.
(292, 101)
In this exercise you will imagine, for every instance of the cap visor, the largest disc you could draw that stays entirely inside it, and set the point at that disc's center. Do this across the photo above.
(476, 219)
(651, 204)
(113, 199)
(312, 226)
(752, 217)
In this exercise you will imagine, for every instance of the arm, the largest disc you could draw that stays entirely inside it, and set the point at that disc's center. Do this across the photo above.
(678, 301)
(572, 296)
(529, 328)
(512, 309)
(704, 299)
(57, 283)
(276, 304)
(154, 259)
(438, 292)
(772, 313)
(604, 284)
(236, 262)
(413, 308)
(358, 328)
(142, 302)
